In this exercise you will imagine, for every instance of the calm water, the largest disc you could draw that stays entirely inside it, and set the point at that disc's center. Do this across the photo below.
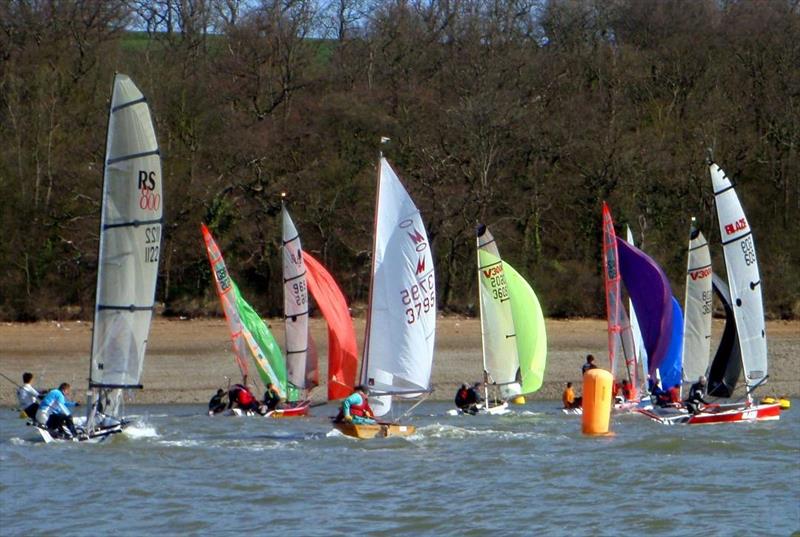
(531, 473)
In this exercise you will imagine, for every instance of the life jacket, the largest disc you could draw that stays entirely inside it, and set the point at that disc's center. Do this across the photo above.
(627, 392)
(244, 397)
(361, 410)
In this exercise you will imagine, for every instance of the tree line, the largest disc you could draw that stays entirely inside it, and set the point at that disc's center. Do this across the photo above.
(521, 114)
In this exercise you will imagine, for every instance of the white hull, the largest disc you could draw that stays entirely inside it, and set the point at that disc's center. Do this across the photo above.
(498, 410)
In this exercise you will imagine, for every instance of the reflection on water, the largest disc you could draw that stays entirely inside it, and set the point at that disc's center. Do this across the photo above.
(526, 473)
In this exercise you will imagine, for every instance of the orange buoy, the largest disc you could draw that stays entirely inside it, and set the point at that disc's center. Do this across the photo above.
(597, 401)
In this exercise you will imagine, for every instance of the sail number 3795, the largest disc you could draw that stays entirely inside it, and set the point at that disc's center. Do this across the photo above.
(419, 299)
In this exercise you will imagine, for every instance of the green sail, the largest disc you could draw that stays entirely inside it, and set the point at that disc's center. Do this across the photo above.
(529, 327)
(273, 368)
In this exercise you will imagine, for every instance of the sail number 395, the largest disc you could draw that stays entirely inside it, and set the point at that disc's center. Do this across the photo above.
(419, 299)
(152, 239)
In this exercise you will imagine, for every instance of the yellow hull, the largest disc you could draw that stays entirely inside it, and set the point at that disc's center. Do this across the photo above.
(381, 430)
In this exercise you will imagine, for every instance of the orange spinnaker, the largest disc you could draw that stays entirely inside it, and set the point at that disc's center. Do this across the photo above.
(342, 351)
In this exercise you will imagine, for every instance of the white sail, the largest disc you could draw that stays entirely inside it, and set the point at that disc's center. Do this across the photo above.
(641, 351)
(743, 277)
(402, 317)
(697, 319)
(500, 358)
(295, 304)
(130, 241)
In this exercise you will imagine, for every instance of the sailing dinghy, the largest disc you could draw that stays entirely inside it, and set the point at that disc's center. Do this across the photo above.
(303, 273)
(513, 335)
(745, 339)
(127, 268)
(401, 322)
(251, 338)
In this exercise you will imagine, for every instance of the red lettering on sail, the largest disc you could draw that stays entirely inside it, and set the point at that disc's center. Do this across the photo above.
(700, 274)
(421, 265)
(416, 237)
(494, 271)
(739, 225)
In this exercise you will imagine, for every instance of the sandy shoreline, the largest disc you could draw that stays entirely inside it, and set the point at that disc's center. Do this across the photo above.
(188, 360)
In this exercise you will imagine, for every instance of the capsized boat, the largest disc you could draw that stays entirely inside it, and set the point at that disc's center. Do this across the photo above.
(401, 321)
(513, 335)
(251, 338)
(127, 269)
(743, 302)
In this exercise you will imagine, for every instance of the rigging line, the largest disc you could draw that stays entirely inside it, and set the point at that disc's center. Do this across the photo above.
(415, 405)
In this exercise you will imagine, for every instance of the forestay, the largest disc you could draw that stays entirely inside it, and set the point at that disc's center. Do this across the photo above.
(697, 323)
(130, 241)
(744, 280)
(402, 313)
(301, 370)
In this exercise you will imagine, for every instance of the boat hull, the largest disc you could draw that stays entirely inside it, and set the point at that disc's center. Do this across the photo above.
(719, 414)
(379, 430)
(498, 410)
(96, 437)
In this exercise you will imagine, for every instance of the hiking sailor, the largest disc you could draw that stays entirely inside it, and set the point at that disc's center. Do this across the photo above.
(355, 409)
(54, 411)
(28, 397)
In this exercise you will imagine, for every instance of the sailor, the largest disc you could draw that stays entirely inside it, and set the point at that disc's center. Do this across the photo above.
(674, 395)
(696, 393)
(216, 404)
(461, 397)
(272, 397)
(589, 364)
(627, 390)
(54, 411)
(568, 397)
(356, 409)
(241, 397)
(28, 396)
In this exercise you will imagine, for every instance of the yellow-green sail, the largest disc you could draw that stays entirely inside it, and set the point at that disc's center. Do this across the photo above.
(531, 336)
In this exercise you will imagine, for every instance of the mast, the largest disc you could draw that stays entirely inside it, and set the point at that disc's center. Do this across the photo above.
(368, 327)
(483, 330)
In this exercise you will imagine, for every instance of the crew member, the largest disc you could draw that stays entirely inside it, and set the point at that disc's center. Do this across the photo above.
(28, 396)
(216, 404)
(54, 412)
(696, 393)
(356, 409)
(272, 397)
(627, 390)
(589, 364)
(241, 397)
(568, 397)
(461, 397)
(674, 394)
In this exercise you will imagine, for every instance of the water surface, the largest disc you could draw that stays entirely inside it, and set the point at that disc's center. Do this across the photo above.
(529, 473)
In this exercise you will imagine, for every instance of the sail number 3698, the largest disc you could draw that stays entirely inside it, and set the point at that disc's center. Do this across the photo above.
(419, 299)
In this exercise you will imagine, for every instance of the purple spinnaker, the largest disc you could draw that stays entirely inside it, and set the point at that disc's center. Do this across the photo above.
(651, 295)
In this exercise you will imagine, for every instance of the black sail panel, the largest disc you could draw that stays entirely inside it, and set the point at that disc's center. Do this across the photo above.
(726, 367)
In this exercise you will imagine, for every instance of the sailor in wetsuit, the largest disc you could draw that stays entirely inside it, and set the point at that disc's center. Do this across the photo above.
(216, 404)
(462, 395)
(272, 397)
(696, 393)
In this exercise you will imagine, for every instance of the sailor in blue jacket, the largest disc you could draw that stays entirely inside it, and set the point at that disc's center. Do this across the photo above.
(55, 409)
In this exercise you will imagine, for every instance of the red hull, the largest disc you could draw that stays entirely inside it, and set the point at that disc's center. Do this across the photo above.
(720, 415)
(291, 412)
